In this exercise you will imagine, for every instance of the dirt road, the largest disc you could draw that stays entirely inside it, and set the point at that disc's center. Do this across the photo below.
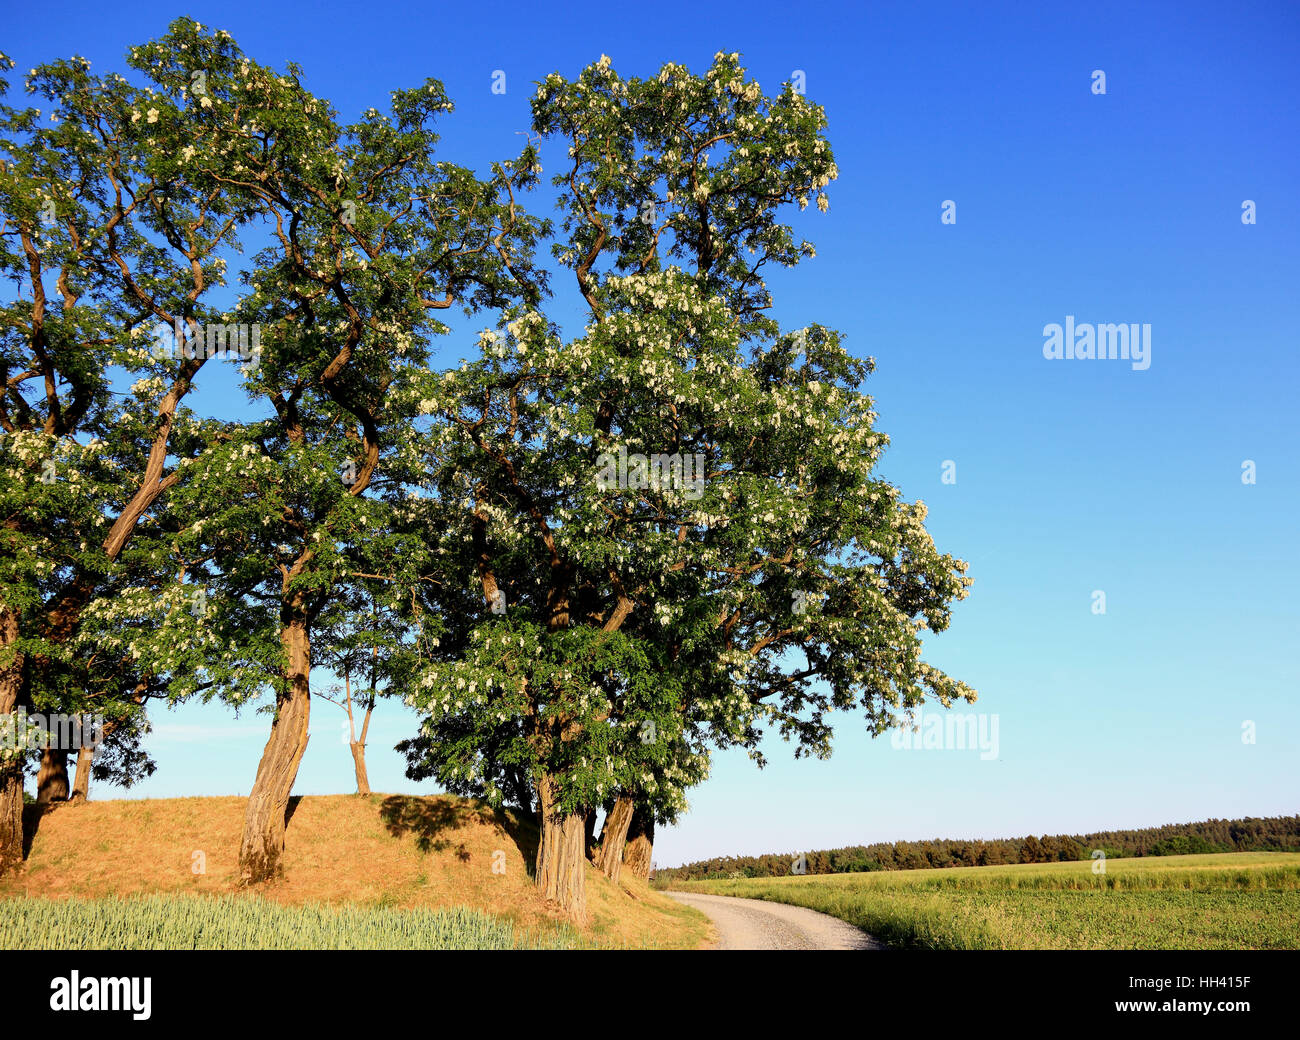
(754, 924)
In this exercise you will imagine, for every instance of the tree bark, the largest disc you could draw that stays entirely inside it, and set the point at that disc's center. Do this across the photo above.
(11, 818)
(262, 847)
(589, 834)
(614, 837)
(561, 857)
(81, 785)
(359, 761)
(640, 844)
(86, 755)
(11, 770)
(152, 482)
(358, 744)
(52, 778)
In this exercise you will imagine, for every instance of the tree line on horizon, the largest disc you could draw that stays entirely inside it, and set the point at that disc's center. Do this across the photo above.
(513, 545)
(1249, 834)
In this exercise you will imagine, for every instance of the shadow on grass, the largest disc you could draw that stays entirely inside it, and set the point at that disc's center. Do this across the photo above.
(433, 821)
(32, 814)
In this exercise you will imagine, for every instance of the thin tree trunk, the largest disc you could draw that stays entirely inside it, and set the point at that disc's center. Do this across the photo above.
(81, 785)
(358, 744)
(52, 778)
(613, 838)
(359, 761)
(86, 754)
(640, 844)
(561, 858)
(589, 834)
(262, 848)
(11, 771)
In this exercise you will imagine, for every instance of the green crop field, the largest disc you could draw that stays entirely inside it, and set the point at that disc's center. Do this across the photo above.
(251, 923)
(1246, 900)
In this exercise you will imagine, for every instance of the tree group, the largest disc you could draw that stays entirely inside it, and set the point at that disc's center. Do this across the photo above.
(586, 557)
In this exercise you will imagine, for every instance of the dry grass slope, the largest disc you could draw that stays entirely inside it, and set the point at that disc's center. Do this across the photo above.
(388, 851)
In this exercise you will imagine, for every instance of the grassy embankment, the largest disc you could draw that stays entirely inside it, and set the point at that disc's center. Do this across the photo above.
(1245, 900)
(380, 871)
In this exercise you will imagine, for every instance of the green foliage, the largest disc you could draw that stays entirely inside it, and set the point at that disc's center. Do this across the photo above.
(634, 597)
(493, 535)
(1185, 845)
(278, 519)
(119, 218)
(106, 235)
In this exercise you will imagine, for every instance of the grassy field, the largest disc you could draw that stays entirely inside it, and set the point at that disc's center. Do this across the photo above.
(254, 923)
(1243, 900)
(387, 870)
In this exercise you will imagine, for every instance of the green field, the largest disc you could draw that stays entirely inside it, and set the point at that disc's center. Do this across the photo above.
(1240, 900)
(251, 923)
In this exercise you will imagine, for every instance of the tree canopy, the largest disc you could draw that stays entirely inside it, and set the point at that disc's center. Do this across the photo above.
(590, 556)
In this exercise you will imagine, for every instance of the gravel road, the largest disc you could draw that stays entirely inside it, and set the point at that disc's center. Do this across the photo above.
(755, 924)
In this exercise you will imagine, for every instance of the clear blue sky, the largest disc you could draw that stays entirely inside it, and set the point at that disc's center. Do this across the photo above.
(1072, 476)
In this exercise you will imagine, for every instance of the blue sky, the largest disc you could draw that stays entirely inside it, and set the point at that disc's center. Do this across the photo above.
(1071, 476)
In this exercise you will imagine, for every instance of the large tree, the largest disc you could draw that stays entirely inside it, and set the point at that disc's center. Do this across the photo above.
(371, 238)
(675, 510)
(106, 235)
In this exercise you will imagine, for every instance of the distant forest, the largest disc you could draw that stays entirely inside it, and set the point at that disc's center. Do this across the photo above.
(1273, 834)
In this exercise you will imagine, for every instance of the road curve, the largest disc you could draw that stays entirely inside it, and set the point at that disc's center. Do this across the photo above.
(755, 924)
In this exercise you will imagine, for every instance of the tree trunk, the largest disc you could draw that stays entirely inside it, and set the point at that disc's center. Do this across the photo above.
(589, 834)
(81, 786)
(11, 817)
(640, 844)
(52, 779)
(11, 766)
(359, 761)
(86, 755)
(358, 744)
(561, 858)
(262, 847)
(614, 837)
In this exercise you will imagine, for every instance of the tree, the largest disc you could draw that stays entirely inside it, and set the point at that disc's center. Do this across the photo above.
(372, 237)
(366, 647)
(119, 759)
(1031, 850)
(106, 234)
(639, 850)
(656, 773)
(678, 503)
(1069, 849)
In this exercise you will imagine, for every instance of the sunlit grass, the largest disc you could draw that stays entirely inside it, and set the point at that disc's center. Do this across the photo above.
(1247, 900)
(253, 923)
